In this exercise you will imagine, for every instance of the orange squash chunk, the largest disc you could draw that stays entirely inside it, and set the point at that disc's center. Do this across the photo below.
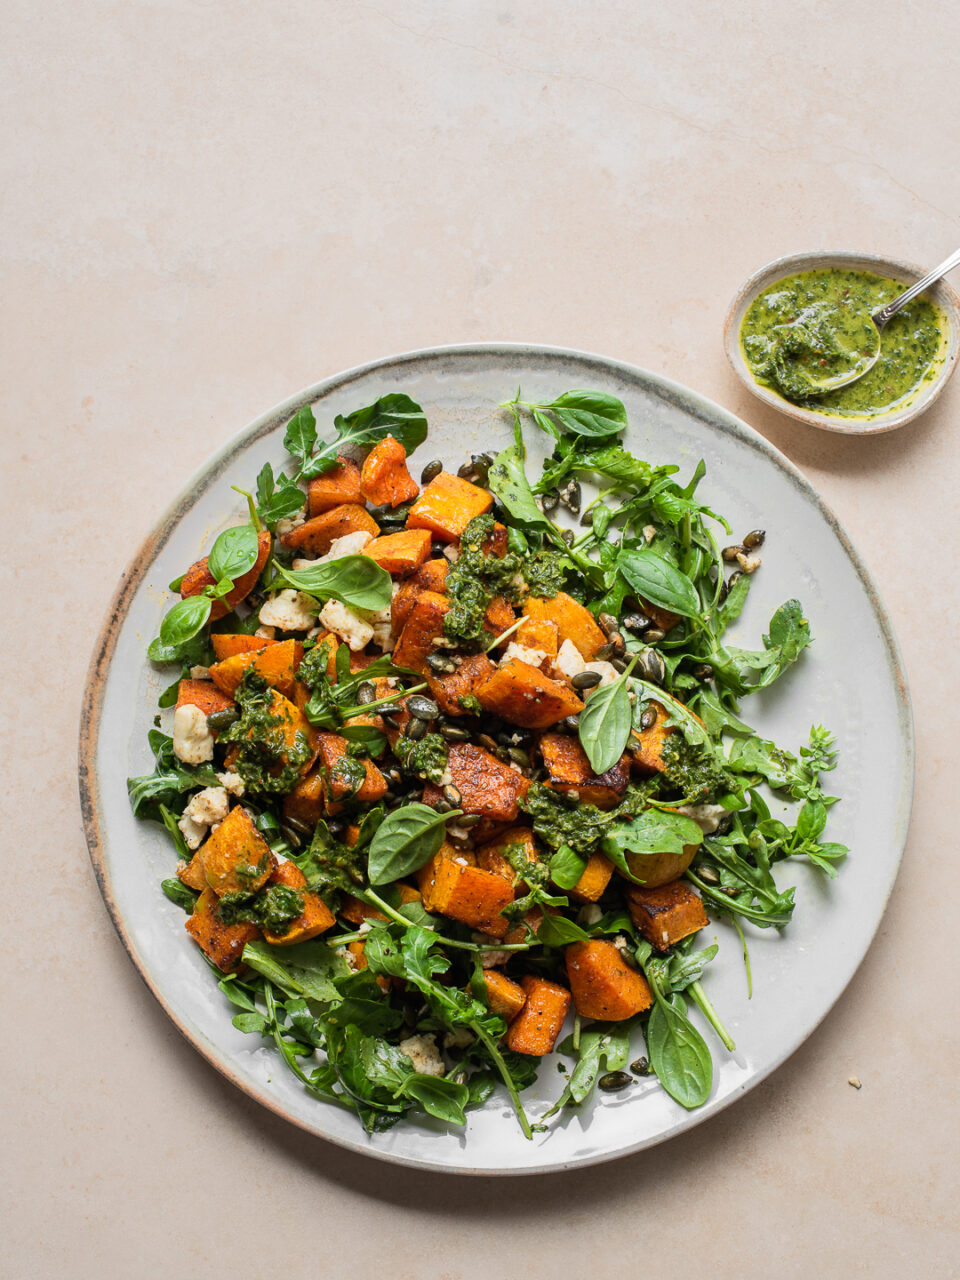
(198, 577)
(431, 576)
(537, 1026)
(503, 996)
(602, 984)
(223, 943)
(668, 914)
(316, 917)
(573, 622)
(464, 682)
(192, 874)
(662, 618)
(538, 633)
(497, 542)
(333, 749)
(277, 664)
(456, 889)
(236, 858)
(523, 695)
(384, 479)
(202, 694)
(592, 884)
(568, 769)
(228, 646)
(447, 505)
(490, 856)
(486, 785)
(499, 615)
(292, 721)
(400, 553)
(317, 535)
(306, 801)
(424, 624)
(335, 487)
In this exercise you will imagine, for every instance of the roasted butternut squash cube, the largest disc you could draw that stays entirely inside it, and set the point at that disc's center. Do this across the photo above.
(462, 683)
(592, 884)
(316, 917)
(667, 914)
(335, 488)
(454, 888)
(568, 769)
(385, 480)
(192, 874)
(537, 1026)
(491, 856)
(306, 803)
(504, 997)
(277, 664)
(648, 743)
(236, 857)
(292, 726)
(222, 943)
(487, 786)
(338, 782)
(400, 553)
(602, 984)
(665, 619)
(318, 533)
(573, 622)
(538, 633)
(499, 615)
(226, 645)
(447, 505)
(356, 910)
(497, 542)
(203, 694)
(523, 695)
(424, 624)
(431, 576)
(198, 577)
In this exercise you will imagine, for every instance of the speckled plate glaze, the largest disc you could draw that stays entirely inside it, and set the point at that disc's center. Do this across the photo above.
(850, 679)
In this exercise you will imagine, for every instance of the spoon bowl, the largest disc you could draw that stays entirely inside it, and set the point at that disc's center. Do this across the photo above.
(941, 294)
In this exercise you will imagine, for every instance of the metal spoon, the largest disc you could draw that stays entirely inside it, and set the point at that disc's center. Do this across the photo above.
(880, 318)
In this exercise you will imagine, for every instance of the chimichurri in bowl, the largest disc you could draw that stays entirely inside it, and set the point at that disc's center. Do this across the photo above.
(806, 319)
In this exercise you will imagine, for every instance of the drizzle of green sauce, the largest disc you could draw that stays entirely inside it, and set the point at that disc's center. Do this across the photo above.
(816, 319)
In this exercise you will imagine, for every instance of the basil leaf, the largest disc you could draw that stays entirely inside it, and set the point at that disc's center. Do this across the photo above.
(566, 867)
(660, 582)
(604, 725)
(184, 620)
(679, 1056)
(301, 434)
(234, 553)
(558, 931)
(404, 841)
(372, 739)
(180, 894)
(589, 413)
(508, 481)
(357, 581)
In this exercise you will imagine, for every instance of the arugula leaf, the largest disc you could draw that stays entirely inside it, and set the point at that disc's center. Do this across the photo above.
(603, 1046)
(789, 636)
(357, 581)
(305, 969)
(405, 840)
(301, 434)
(658, 581)
(509, 484)
(278, 497)
(169, 780)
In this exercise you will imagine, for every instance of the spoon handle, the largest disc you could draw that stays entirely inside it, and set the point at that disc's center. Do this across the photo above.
(881, 317)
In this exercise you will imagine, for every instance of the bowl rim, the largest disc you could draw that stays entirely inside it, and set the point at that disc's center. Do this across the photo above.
(944, 295)
(90, 725)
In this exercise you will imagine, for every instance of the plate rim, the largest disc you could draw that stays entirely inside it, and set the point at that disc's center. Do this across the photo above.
(137, 568)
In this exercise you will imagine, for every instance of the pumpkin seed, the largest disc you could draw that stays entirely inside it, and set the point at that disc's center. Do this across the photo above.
(298, 825)
(654, 635)
(605, 652)
(469, 819)
(481, 467)
(431, 471)
(423, 708)
(366, 693)
(571, 497)
(467, 472)
(518, 756)
(734, 577)
(649, 718)
(636, 622)
(568, 536)
(550, 501)
(223, 719)
(703, 672)
(651, 666)
(640, 1067)
(586, 680)
(571, 724)
(415, 729)
(443, 806)
(587, 518)
(754, 538)
(440, 662)
(618, 642)
(292, 837)
(452, 795)
(608, 623)
(708, 874)
(485, 740)
(619, 665)
(454, 733)
(613, 1081)
(731, 553)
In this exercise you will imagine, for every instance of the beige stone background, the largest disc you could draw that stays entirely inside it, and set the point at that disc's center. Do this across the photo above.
(208, 206)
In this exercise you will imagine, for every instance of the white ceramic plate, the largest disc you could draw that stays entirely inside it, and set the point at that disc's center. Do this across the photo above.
(849, 679)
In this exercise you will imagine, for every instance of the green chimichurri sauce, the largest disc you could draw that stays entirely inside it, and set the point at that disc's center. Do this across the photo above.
(815, 321)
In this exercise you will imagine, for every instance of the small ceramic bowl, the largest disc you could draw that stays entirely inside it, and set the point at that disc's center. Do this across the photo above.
(892, 269)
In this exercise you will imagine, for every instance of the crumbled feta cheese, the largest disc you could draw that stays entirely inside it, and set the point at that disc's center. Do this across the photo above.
(199, 673)
(346, 624)
(232, 782)
(569, 660)
(351, 544)
(491, 959)
(459, 1039)
(749, 564)
(649, 533)
(451, 552)
(303, 563)
(707, 816)
(364, 926)
(192, 739)
(289, 523)
(193, 832)
(208, 808)
(622, 945)
(533, 657)
(424, 1054)
(266, 633)
(606, 671)
(290, 611)
(383, 635)
(590, 915)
